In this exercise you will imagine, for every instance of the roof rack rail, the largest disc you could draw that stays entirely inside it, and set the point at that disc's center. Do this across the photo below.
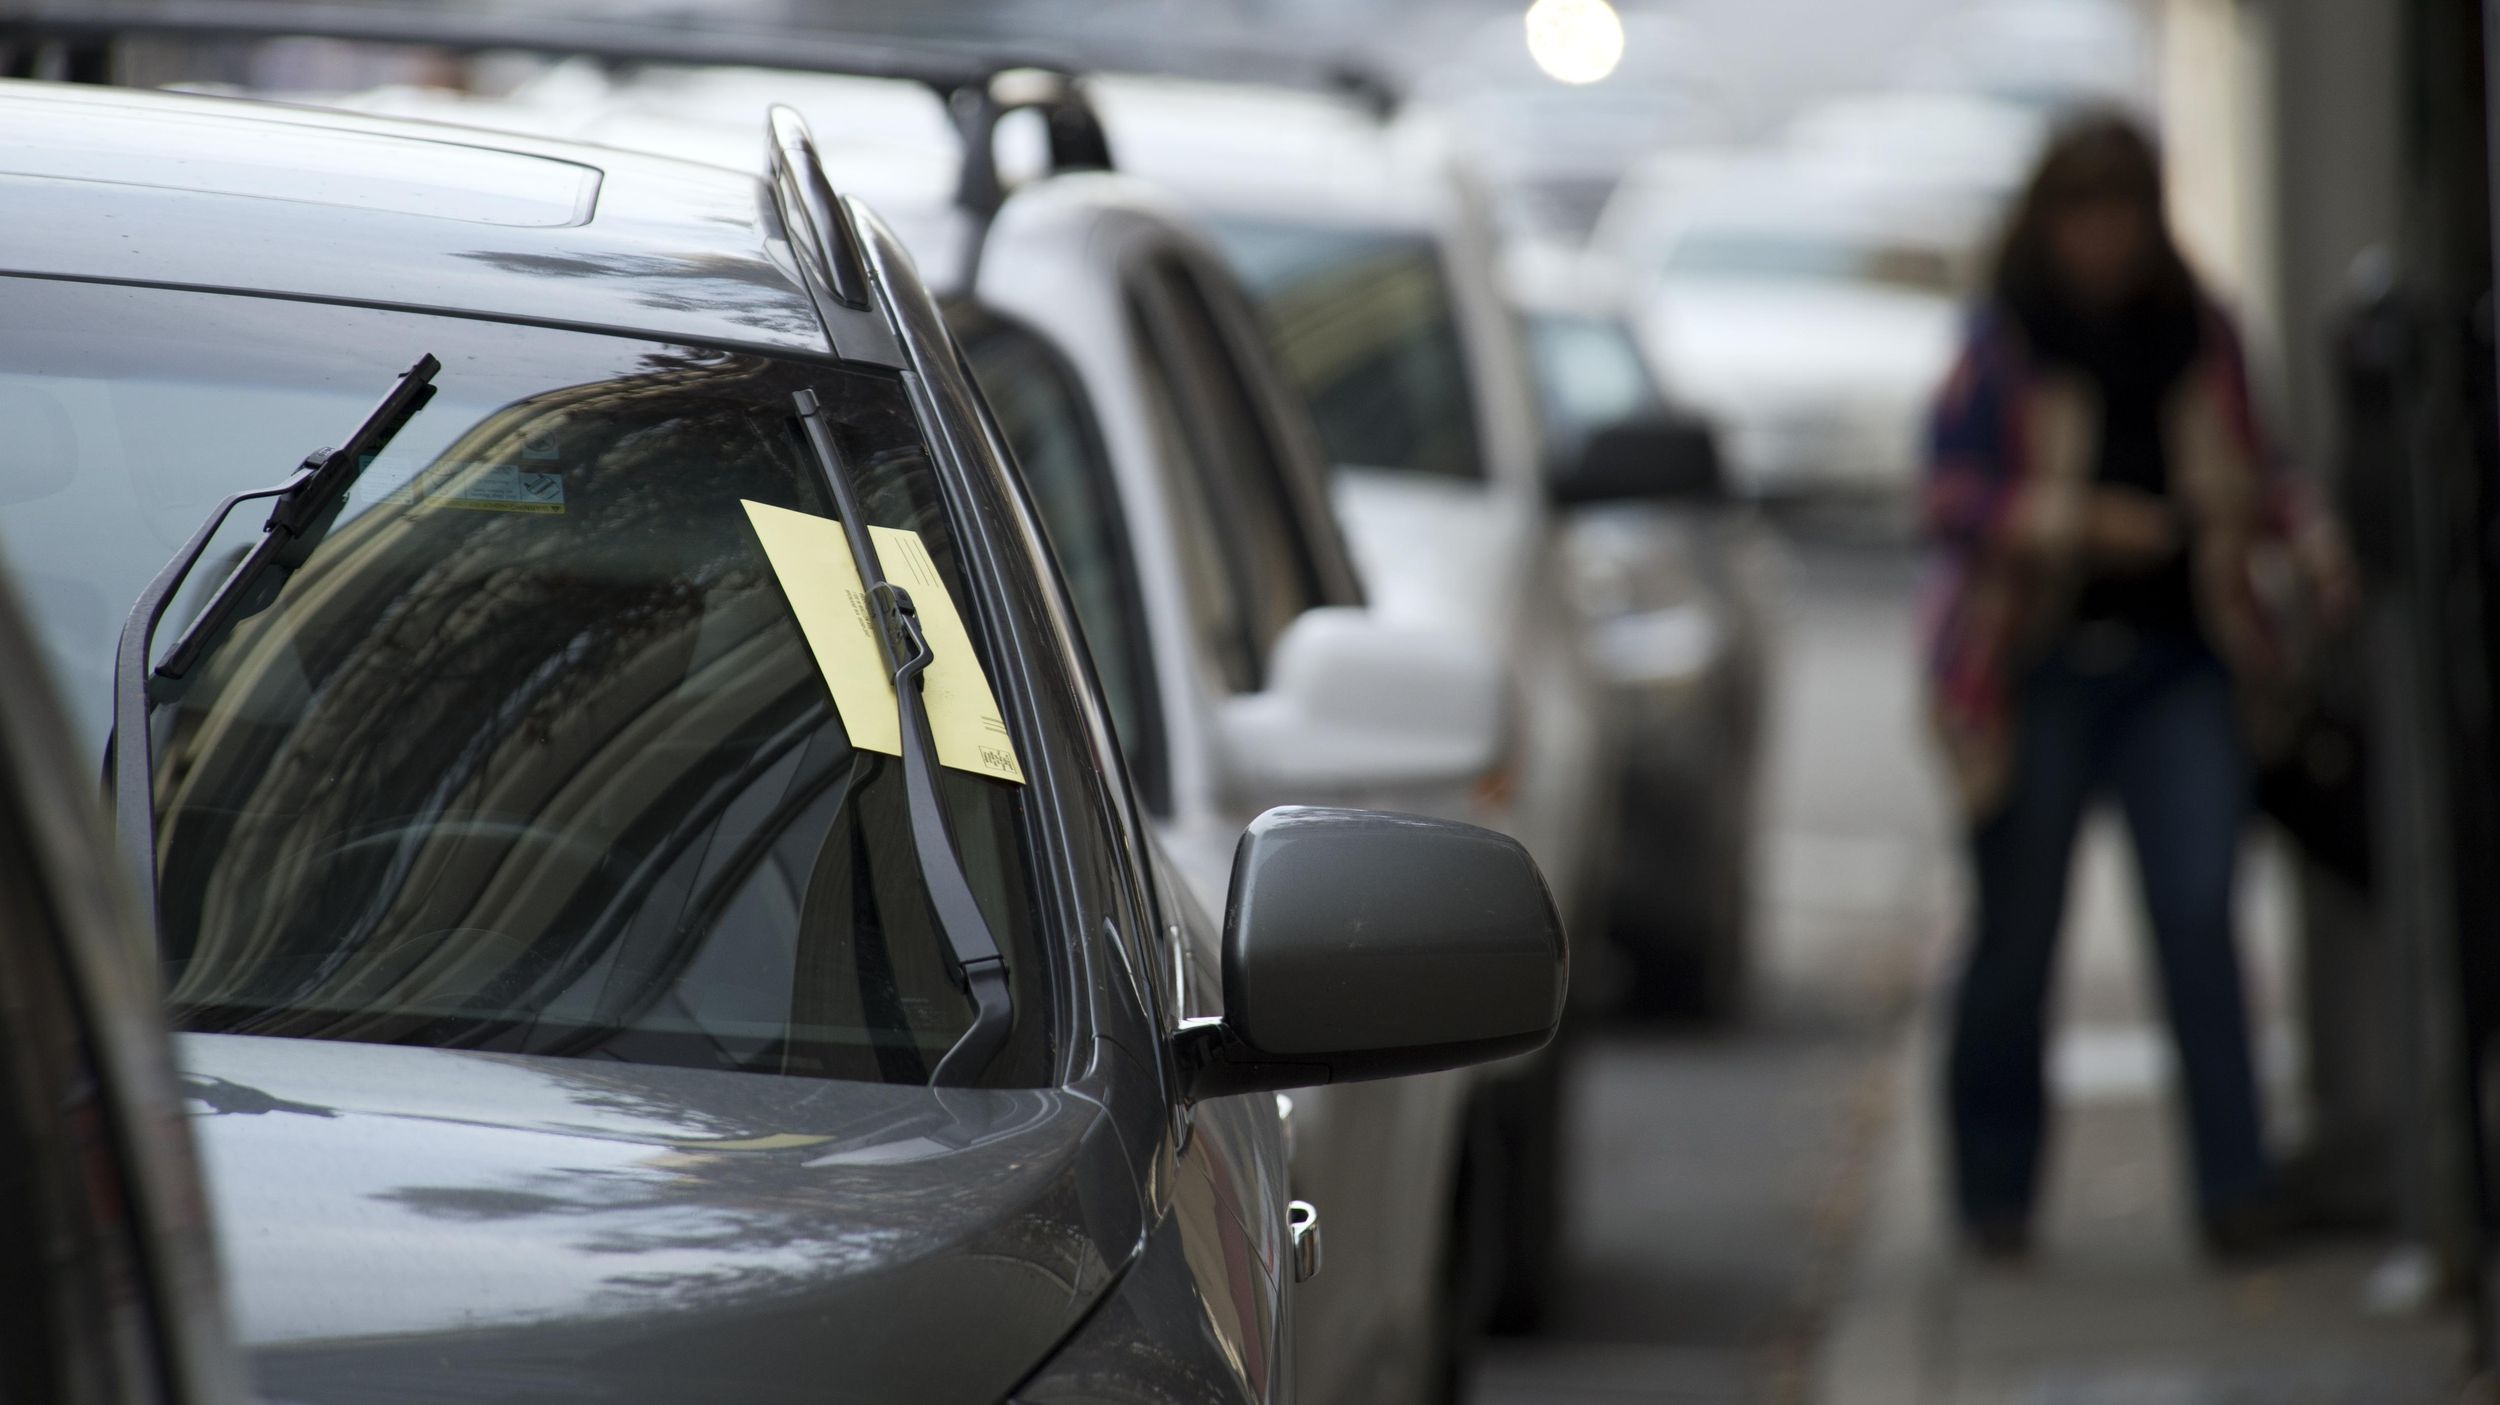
(833, 264)
(1072, 128)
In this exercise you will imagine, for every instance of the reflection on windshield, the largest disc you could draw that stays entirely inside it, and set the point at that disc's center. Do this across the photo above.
(530, 754)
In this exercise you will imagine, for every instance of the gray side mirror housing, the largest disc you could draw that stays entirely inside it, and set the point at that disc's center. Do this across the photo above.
(1360, 944)
(1666, 458)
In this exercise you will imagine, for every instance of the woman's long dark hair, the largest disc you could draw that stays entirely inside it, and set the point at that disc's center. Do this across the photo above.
(2104, 156)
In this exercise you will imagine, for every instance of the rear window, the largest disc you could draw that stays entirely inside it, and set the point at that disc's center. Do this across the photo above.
(1365, 322)
(530, 755)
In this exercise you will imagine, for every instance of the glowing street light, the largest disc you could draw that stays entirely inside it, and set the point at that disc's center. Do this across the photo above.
(1575, 41)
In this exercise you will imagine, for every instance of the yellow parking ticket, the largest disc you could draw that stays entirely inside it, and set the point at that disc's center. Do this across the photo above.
(812, 560)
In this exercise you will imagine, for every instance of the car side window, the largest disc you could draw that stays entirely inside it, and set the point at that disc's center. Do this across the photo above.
(1213, 593)
(1237, 465)
(1042, 409)
(1368, 324)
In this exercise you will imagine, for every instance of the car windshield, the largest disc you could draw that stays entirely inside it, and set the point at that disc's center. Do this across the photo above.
(1365, 322)
(1811, 257)
(530, 755)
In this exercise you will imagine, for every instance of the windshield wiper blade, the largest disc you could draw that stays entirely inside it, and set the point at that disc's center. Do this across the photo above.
(306, 506)
(904, 647)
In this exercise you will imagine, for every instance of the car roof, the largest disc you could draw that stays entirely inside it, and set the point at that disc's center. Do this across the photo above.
(199, 192)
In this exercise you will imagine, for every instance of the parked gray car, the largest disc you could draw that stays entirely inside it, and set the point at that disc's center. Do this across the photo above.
(646, 871)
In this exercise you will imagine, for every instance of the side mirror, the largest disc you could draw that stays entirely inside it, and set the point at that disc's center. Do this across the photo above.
(1670, 458)
(1359, 944)
(1356, 704)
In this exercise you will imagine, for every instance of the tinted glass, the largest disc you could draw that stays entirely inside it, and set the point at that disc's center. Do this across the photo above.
(1365, 323)
(1043, 412)
(1214, 594)
(1234, 456)
(530, 755)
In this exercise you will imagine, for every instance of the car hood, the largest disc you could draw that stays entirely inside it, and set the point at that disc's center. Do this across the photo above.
(408, 1224)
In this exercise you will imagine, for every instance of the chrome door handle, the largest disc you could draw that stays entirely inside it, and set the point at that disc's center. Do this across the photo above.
(1302, 1219)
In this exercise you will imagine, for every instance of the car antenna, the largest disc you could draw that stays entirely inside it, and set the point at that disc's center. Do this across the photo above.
(904, 647)
(307, 505)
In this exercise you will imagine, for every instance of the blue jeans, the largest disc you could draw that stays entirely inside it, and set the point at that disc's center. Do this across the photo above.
(2150, 722)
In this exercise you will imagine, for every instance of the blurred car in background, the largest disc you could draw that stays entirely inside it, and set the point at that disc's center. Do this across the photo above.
(1810, 317)
(106, 1254)
(533, 904)
(1678, 586)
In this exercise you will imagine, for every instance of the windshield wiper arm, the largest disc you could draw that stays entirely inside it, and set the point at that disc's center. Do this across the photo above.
(306, 506)
(904, 647)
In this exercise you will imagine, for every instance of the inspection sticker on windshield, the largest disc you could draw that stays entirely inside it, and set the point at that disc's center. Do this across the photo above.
(812, 560)
(484, 487)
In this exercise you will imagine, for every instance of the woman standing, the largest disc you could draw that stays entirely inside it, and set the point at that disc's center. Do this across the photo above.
(2101, 498)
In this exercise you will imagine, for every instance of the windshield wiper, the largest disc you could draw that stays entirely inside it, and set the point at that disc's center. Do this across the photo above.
(904, 647)
(307, 505)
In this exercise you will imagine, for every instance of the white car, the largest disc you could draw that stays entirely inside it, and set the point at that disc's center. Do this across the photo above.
(1371, 247)
(1811, 317)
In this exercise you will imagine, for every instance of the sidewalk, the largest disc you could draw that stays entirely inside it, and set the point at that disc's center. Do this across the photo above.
(2116, 1309)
